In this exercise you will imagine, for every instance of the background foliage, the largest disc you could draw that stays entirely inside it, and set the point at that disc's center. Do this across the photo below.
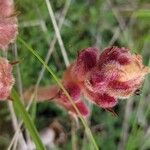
(99, 23)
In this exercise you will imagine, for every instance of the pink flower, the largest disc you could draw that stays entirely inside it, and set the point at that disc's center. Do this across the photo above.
(115, 74)
(6, 78)
(8, 24)
(102, 78)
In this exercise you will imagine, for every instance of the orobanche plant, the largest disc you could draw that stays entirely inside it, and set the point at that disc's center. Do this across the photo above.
(102, 77)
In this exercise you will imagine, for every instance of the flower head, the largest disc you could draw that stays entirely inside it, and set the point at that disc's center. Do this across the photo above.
(113, 74)
(6, 78)
(102, 78)
(6, 8)
(8, 24)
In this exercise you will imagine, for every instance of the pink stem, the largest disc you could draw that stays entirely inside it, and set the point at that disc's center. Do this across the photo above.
(42, 93)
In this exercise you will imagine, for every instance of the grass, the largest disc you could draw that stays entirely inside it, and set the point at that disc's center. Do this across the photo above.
(27, 120)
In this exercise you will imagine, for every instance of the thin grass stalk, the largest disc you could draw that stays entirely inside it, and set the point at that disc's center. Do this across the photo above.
(54, 40)
(89, 133)
(61, 44)
(27, 120)
(16, 135)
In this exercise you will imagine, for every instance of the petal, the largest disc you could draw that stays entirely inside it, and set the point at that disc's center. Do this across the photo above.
(117, 85)
(86, 60)
(124, 89)
(121, 55)
(82, 107)
(74, 91)
(105, 101)
(95, 81)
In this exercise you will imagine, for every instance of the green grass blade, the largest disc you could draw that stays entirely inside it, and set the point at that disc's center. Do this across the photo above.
(27, 120)
(88, 131)
(145, 13)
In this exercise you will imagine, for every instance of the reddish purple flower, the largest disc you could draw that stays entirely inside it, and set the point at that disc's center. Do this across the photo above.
(102, 78)
(6, 79)
(115, 73)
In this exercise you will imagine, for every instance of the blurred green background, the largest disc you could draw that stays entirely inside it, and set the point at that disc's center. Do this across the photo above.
(87, 23)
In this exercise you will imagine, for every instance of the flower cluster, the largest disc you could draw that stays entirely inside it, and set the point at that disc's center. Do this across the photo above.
(102, 78)
(8, 33)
